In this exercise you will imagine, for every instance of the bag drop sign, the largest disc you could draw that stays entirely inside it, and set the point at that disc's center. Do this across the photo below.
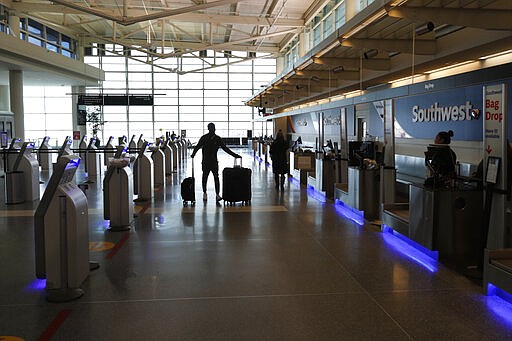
(493, 113)
(493, 110)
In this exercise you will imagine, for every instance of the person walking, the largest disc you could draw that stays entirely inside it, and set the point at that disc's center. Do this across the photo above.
(210, 143)
(278, 150)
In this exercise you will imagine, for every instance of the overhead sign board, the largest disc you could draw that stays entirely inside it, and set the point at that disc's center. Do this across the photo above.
(96, 100)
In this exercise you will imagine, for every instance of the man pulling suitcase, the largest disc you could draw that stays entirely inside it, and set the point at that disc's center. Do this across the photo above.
(210, 143)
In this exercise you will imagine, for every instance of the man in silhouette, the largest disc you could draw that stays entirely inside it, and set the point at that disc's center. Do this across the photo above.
(210, 143)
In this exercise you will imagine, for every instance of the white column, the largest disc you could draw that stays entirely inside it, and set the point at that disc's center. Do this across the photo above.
(4, 98)
(14, 25)
(16, 97)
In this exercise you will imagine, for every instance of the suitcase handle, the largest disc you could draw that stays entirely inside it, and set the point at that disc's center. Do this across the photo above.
(235, 165)
(192, 167)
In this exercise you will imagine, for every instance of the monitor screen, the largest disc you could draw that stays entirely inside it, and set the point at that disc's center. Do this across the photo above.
(440, 160)
(367, 150)
(359, 150)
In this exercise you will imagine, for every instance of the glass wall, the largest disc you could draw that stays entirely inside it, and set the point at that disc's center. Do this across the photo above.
(330, 18)
(47, 113)
(189, 92)
(196, 92)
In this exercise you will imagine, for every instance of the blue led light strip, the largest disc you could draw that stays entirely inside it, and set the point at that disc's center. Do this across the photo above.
(349, 212)
(410, 249)
(432, 254)
(500, 303)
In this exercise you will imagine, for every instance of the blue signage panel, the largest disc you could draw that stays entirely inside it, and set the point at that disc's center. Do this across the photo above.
(376, 124)
(423, 116)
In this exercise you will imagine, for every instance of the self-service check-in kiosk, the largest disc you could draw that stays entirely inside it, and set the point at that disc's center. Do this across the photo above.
(44, 155)
(166, 148)
(93, 161)
(109, 150)
(175, 158)
(158, 157)
(140, 141)
(118, 192)
(179, 149)
(65, 149)
(23, 176)
(14, 184)
(144, 168)
(183, 148)
(12, 152)
(61, 234)
(132, 144)
(123, 141)
(82, 146)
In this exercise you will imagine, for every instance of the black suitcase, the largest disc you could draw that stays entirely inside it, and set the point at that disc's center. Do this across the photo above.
(236, 184)
(188, 189)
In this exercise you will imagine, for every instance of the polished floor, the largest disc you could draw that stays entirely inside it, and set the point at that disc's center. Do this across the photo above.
(290, 266)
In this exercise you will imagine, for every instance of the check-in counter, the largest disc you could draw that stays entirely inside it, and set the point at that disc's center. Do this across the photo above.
(361, 192)
(324, 175)
(447, 220)
(301, 164)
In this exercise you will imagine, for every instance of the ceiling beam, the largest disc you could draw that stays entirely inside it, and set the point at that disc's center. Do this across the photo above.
(227, 45)
(421, 47)
(310, 82)
(326, 75)
(379, 64)
(133, 20)
(490, 19)
(185, 17)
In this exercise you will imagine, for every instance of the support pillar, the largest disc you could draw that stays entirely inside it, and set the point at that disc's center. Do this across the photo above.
(5, 104)
(14, 25)
(16, 97)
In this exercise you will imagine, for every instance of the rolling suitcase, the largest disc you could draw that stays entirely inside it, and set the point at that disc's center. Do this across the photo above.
(188, 189)
(236, 184)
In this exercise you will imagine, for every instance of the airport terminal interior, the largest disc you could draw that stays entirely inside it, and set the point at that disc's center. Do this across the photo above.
(290, 266)
(372, 199)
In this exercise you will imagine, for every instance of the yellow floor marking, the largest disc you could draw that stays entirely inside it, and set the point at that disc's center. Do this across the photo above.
(10, 338)
(99, 246)
(230, 209)
(17, 213)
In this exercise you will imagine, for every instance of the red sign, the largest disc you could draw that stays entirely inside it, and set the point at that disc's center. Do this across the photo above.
(76, 135)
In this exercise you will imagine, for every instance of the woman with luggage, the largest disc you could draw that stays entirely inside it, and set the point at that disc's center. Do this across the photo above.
(278, 150)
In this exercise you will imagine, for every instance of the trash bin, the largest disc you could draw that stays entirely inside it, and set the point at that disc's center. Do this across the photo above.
(14, 187)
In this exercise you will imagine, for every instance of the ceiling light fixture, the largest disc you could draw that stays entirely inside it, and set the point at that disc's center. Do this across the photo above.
(370, 53)
(425, 28)
(499, 54)
(444, 68)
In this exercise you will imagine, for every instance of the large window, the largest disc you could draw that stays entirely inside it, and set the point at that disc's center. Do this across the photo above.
(330, 18)
(209, 89)
(213, 92)
(40, 35)
(47, 113)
